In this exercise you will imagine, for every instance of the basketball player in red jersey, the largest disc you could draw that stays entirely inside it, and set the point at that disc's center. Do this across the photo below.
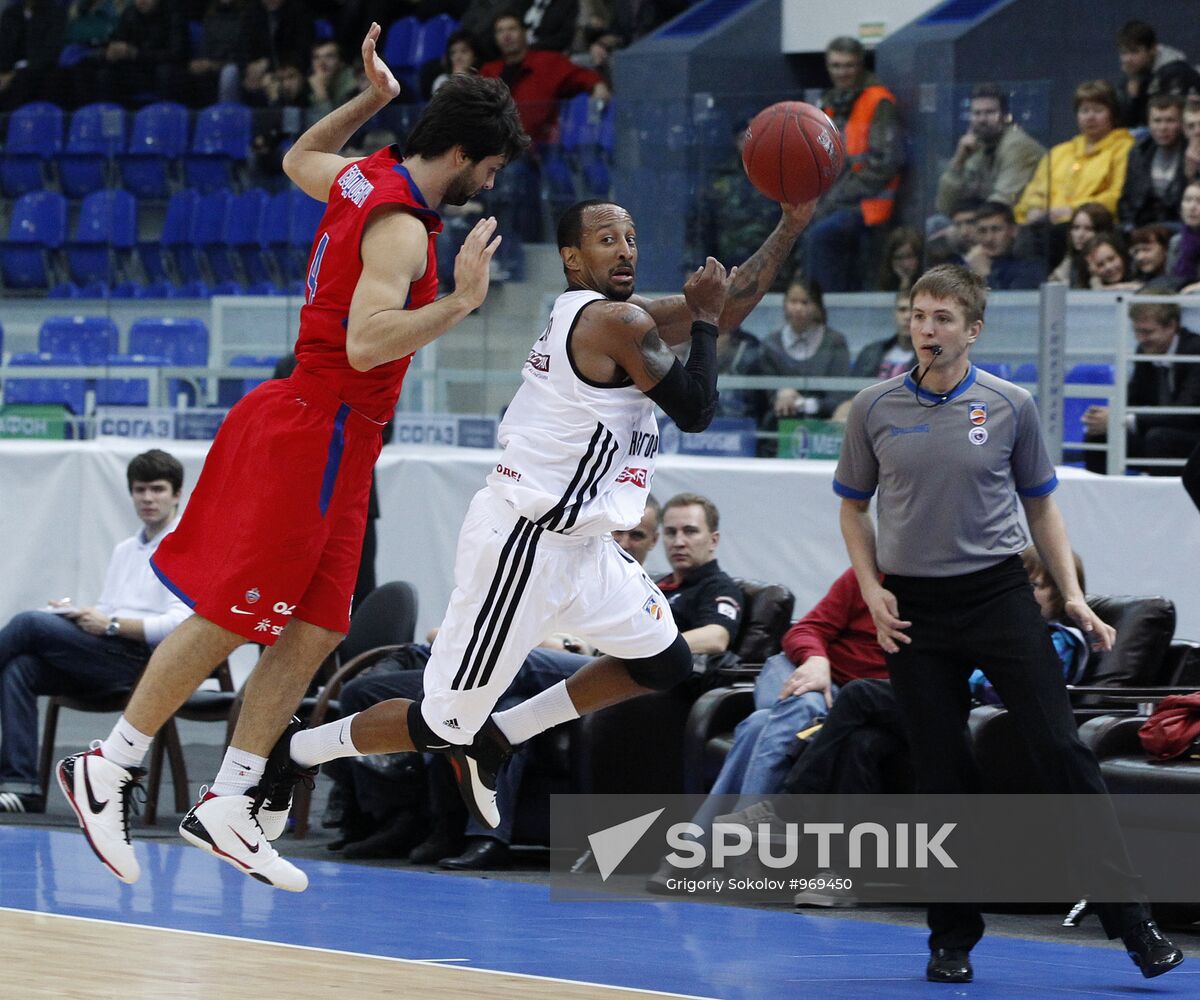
(269, 545)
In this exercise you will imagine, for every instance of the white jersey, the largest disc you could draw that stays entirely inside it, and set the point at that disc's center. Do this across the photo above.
(578, 457)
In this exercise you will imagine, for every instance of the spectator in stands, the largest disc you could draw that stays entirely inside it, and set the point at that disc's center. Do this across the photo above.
(460, 57)
(91, 23)
(1154, 177)
(275, 33)
(145, 58)
(1090, 167)
(91, 651)
(804, 347)
(1149, 69)
(1090, 219)
(852, 215)
(993, 258)
(902, 259)
(31, 38)
(1148, 249)
(550, 24)
(894, 355)
(994, 159)
(1108, 262)
(1191, 138)
(632, 19)
(1183, 261)
(1158, 330)
(737, 354)
(952, 243)
(215, 68)
(539, 80)
(832, 644)
(730, 218)
(331, 83)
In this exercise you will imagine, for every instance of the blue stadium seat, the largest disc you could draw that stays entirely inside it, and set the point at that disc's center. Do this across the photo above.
(1073, 407)
(37, 228)
(68, 392)
(245, 236)
(222, 139)
(292, 220)
(431, 39)
(35, 135)
(179, 341)
(207, 236)
(399, 48)
(157, 139)
(163, 260)
(230, 390)
(1000, 369)
(1028, 372)
(104, 237)
(86, 340)
(126, 391)
(96, 135)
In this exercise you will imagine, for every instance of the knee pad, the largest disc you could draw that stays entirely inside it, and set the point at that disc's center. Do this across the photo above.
(664, 670)
(424, 738)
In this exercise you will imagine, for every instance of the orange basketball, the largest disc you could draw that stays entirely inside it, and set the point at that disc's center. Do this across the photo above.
(793, 152)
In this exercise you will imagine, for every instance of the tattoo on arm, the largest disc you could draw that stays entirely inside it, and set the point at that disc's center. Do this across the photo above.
(656, 357)
(755, 277)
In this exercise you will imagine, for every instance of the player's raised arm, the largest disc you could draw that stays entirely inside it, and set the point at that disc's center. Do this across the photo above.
(754, 279)
(313, 162)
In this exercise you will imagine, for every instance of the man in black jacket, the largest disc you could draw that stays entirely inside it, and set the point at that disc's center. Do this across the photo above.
(1156, 326)
(1154, 177)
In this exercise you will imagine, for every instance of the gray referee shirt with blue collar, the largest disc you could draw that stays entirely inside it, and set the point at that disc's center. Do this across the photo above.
(948, 470)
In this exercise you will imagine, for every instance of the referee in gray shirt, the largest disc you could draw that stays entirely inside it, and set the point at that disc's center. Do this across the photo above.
(950, 450)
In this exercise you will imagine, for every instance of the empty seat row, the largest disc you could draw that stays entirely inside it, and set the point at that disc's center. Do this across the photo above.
(244, 241)
(408, 44)
(147, 162)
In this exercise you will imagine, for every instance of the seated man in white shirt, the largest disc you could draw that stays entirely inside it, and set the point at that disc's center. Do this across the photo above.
(89, 651)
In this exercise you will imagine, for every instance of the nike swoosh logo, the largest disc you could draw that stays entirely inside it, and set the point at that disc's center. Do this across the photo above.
(244, 767)
(252, 850)
(342, 735)
(125, 738)
(238, 611)
(94, 804)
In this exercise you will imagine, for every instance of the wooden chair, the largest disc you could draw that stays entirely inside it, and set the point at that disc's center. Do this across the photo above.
(203, 705)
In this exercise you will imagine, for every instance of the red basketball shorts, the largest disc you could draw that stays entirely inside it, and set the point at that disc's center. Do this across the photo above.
(274, 528)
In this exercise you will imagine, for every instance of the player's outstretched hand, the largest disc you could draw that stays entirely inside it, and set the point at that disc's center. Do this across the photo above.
(1099, 634)
(473, 260)
(378, 74)
(797, 217)
(705, 290)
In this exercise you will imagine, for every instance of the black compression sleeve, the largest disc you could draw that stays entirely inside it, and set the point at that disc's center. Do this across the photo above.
(688, 394)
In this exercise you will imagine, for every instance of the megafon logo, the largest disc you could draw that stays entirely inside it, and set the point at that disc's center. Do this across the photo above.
(611, 845)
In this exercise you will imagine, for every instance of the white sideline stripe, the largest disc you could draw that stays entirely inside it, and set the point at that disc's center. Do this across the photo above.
(356, 954)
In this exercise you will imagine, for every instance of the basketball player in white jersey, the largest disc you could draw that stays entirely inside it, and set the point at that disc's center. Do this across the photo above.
(536, 554)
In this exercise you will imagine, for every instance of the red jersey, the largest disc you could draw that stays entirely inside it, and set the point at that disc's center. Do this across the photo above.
(537, 83)
(334, 267)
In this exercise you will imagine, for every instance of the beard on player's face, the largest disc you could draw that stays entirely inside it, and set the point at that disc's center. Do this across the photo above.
(462, 187)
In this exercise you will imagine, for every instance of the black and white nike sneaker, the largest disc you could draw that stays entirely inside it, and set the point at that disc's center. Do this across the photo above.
(475, 770)
(273, 794)
(101, 794)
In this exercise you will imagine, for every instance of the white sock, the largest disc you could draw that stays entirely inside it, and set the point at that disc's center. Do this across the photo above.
(239, 772)
(543, 711)
(125, 745)
(327, 742)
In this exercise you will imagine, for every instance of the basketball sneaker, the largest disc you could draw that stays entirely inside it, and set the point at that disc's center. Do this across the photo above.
(225, 826)
(273, 795)
(475, 769)
(101, 795)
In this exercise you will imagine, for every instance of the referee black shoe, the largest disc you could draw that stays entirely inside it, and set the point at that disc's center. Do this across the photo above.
(272, 796)
(949, 965)
(1151, 950)
(475, 770)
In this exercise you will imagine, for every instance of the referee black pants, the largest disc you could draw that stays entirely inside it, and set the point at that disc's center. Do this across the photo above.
(990, 620)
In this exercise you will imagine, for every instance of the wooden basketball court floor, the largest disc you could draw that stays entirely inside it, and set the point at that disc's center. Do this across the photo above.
(195, 928)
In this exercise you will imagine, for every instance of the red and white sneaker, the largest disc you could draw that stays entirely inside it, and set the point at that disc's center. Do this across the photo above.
(100, 792)
(225, 826)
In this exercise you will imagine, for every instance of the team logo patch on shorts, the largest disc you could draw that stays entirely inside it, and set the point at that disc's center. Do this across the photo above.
(977, 412)
(252, 595)
(653, 608)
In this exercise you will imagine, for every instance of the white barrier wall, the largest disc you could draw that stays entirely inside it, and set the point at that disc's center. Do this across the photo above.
(63, 506)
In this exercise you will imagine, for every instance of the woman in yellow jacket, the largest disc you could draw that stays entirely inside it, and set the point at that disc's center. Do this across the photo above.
(1090, 167)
